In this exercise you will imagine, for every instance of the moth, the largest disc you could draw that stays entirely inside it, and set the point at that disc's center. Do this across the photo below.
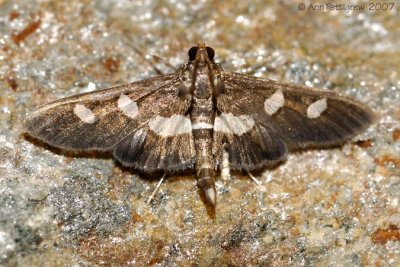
(190, 118)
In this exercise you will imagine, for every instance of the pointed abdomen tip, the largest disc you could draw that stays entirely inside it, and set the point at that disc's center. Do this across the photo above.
(211, 196)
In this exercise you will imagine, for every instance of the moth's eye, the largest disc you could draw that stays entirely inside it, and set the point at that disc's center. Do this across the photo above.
(210, 53)
(193, 52)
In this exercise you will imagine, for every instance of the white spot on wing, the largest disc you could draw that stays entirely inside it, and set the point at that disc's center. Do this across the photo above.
(84, 113)
(315, 109)
(228, 123)
(175, 125)
(127, 106)
(202, 125)
(274, 102)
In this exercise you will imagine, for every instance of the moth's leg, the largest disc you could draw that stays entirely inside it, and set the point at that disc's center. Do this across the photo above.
(258, 182)
(225, 169)
(156, 189)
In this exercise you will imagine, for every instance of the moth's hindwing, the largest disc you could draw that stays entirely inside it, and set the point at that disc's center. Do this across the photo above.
(250, 144)
(165, 143)
(281, 115)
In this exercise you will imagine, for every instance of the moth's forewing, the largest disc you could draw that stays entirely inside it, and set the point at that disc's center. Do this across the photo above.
(95, 120)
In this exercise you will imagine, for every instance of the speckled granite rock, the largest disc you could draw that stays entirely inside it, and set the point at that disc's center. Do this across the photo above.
(337, 207)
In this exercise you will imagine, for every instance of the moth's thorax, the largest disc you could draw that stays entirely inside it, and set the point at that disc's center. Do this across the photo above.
(203, 82)
(201, 79)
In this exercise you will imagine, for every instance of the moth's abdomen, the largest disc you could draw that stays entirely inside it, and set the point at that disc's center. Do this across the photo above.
(202, 118)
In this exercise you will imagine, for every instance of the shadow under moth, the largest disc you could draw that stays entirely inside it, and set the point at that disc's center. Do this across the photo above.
(192, 118)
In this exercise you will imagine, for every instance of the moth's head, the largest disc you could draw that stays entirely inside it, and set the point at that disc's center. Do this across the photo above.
(201, 53)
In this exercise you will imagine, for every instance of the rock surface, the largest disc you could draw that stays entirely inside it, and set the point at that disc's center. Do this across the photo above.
(337, 207)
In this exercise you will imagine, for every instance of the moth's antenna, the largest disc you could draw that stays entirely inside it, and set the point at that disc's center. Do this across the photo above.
(258, 182)
(142, 54)
(156, 189)
(155, 58)
(166, 63)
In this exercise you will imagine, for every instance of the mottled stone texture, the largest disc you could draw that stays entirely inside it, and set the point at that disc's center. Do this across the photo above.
(337, 207)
